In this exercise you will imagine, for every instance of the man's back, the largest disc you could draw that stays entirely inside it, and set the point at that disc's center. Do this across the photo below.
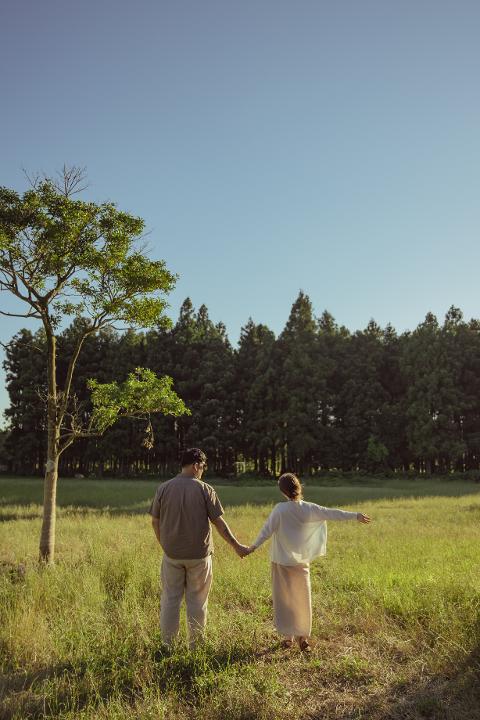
(184, 505)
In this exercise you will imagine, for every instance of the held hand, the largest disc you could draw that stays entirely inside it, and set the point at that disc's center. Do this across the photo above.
(241, 550)
(363, 518)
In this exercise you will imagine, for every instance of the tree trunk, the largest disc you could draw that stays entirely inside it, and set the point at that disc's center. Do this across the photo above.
(47, 536)
(41, 455)
(284, 458)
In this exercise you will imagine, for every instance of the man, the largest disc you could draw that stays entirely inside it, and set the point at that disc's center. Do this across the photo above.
(181, 511)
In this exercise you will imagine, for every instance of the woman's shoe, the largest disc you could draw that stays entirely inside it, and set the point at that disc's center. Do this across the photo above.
(304, 645)
(286, 643)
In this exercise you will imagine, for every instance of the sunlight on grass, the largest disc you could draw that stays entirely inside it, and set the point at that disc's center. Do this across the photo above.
(395, 607)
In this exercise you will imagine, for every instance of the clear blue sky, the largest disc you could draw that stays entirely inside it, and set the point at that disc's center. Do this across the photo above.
(269, 145)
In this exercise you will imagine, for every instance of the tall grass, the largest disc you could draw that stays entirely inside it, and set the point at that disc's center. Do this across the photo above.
(395, 607)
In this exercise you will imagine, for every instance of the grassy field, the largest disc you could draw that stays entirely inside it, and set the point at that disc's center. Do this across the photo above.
(396, 620)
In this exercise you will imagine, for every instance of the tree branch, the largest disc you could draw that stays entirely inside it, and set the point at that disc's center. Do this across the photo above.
(71, 180)
(62, 447)
(15, 274)
(34, 180)
(21, 315)
(12, 286)
(97, 324)
(70, 371)
(77, 430)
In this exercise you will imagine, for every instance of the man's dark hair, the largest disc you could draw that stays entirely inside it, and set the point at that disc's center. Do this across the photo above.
(193, 455)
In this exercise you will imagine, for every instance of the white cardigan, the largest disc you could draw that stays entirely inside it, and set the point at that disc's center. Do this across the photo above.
(299, 531)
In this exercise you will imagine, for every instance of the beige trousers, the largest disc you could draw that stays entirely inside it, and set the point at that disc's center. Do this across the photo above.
(292, 599)
(192, 578)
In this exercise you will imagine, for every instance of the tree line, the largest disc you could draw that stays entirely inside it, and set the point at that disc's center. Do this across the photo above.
(317, 397)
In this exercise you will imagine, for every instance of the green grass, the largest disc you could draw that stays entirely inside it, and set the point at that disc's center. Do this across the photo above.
(395, 610)
(135, 495)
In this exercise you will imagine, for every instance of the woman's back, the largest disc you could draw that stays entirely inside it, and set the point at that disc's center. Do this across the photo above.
(299, 531)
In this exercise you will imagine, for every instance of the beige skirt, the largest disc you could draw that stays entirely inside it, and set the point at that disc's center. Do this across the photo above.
(292, 600)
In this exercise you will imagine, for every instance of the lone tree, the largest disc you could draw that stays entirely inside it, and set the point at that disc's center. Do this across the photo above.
(63, 257)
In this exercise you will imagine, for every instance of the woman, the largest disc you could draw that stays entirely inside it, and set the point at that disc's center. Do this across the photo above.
(299, 534)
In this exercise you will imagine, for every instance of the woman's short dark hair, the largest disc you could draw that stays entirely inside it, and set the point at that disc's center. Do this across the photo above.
(291, 486)
(193, 455)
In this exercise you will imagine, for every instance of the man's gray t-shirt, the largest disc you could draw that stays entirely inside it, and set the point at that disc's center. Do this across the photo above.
(184, 506)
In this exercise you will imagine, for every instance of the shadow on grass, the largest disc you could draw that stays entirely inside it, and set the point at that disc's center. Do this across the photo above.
(51, 691)
(453, 694)
(133, 497)
(193, 673)
(10, 517)
(65, 509)
(23, 695)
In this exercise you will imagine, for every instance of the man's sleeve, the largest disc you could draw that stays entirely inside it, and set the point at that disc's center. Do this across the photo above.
(155, 506)
(214, 506)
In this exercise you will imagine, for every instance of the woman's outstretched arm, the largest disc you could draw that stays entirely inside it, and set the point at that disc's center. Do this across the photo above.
(324, 513)
(363, 518)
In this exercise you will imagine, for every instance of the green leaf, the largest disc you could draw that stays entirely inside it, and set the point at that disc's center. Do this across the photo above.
(142, 394)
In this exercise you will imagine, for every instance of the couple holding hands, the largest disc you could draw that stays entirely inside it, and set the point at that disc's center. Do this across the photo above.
(182, 512)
